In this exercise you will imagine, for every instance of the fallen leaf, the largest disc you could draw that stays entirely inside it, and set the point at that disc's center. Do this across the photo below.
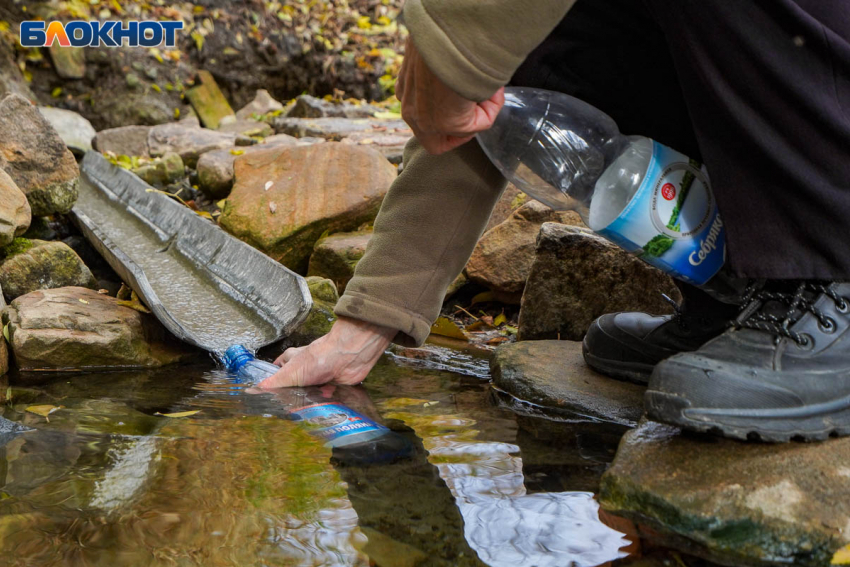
(237, 152)
(447, 328)
(81, 300)
(484, 297)
(6, 333)
(43, 411)
(221, 203)
(179, 414)
(477, 325)
(511, 330)
(388, 116)
(396, 403)
(500, 318)
(269, 185)
(842, 556)
(497, 341)
(272, 208)
(204, 214)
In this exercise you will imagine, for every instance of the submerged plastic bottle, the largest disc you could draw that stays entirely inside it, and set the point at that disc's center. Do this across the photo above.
(641, 195)
(353, 437)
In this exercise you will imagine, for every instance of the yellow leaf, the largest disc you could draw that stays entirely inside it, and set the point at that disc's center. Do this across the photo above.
(84, 301)
(6, 333)
(499, 319)
(237, 152)
(221, 203)
(57, 92)
(156, 88)
(43, 411)
(179, 414)
(388, 116)
(842, 556)
(447, 328)
(204, 214)
(484, 297)
(176, 113)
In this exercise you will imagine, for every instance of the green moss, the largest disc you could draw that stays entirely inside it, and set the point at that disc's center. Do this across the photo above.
(18, 246)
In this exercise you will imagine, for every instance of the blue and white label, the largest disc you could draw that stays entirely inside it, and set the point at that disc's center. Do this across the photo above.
(672, 221)
(332, 421)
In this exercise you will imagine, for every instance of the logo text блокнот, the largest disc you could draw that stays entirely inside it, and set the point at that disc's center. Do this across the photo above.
(80, 33)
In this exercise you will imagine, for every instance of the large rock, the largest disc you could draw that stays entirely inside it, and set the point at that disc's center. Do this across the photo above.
(307, 106)
(336, 256)
(247, 127)
(75, 131)
(262, 104)
(735, 503)
(215, 168)
(502, 259)
(36, 158)
(336, 129)
(11, 79)
(578, 276)
(126, 141)
(133, 109)
(78, 328)
(552, 375)
(187, 141)
(284, 199)
(15, 214)
(35, 265)
(321, 317)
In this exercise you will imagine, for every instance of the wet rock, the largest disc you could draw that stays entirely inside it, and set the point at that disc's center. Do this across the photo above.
(133, 109)
(336, 129)
(336, 256)
(734, 503)
(552, 375)
(15, 215)
(32, 265)
(163, 171)
(73, 327)
(284, 199)
(68, 62)
(502, 259)
(208, 101)
(307, 106)
(250, 128)
(215, 168)
(186, 141)
(36, 158)
(578, 276)
(11, 79)
(75, 131)
(321, 317)
(262, 104)
(124, 141)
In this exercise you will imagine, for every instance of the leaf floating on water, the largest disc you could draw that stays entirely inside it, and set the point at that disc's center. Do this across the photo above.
(221, 204)
(205, 215)
(447, 328)
(43, 411)
(179, 413)
(429, 404)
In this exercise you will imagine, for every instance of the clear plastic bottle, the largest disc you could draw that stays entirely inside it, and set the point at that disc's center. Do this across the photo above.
(353, 437)
(643, 196)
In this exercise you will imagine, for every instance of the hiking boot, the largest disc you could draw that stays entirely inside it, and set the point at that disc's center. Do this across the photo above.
(782, 372)
(627, 346)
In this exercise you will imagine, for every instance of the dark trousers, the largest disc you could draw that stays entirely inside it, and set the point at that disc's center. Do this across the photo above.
(757, 89)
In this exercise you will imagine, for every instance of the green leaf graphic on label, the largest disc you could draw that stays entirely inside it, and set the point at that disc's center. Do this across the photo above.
(658, 246)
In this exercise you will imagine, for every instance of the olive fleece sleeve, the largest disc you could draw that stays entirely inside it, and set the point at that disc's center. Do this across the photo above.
(475, 46)
(429, 223)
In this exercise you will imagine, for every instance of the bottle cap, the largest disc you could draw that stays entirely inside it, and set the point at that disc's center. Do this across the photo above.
(235, 357)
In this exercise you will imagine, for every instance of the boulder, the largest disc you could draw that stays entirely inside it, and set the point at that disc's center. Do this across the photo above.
(248, 127)
(32, 265)
(552, 376)
(11, 79)
(284, 199)
(68, 62)
(215, 168)
(336, 256)
(336, 129)
(124, 141)
(75, 131)
(502, 259)
(262, 104)
(163, 171)
(36, 158)
(133, 109)
(307, 106)
(321, 317)
(15, 213)
(733, 503)
(208, 101)
(74, 327)
(187, 141)
(578, 276)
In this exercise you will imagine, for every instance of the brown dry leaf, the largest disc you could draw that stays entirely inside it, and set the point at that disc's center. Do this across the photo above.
(488, 320)
(497, 340)
(179, 413)
(476, 326)
(447, 328)
(44, 411)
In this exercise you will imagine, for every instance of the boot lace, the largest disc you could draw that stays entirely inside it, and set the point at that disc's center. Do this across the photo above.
(756, 316)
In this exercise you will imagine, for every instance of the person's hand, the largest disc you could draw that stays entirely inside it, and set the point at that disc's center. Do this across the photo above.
(343, 356)
(440, 118)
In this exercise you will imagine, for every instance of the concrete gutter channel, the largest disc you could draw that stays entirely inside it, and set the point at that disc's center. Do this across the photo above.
(269, 299)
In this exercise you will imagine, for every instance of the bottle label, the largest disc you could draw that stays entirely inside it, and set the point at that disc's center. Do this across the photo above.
(672, 221)
(332, 421)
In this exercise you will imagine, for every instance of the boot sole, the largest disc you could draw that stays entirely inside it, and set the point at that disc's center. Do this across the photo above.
(635, 372)
(771, 426)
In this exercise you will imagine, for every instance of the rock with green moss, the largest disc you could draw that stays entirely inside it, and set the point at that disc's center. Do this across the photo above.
(733, 503)
(335, 257)
(321, 317)
(162, 171)
(208, 101)
(31, 265)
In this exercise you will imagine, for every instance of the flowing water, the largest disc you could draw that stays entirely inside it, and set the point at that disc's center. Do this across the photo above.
(105, 480)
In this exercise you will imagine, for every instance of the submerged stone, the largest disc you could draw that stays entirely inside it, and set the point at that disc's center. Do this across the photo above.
(553, 378)
(335, 257)
(731, 502)
(38, 265)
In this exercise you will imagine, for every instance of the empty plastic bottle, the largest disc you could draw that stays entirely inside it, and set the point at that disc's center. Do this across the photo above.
(353, 437)
(641, 195)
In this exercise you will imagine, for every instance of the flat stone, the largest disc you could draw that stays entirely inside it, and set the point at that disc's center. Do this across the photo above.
(186, 141)
(502, 258)
(15, 213)
(208, 101)
(75, 131)
(335, 257)
(36, 158)
(37, 265)
(285, 198)
(126, 141)
(69, 62)
(245, 127)
(336, 129)
(148, 109)
(577, 276)
(553, 376)
(262, 104)
(73, 327)
(390, 144)
(731, 502)
(307, 106)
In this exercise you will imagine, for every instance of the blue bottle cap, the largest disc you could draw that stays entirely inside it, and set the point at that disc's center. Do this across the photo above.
(235, 357)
